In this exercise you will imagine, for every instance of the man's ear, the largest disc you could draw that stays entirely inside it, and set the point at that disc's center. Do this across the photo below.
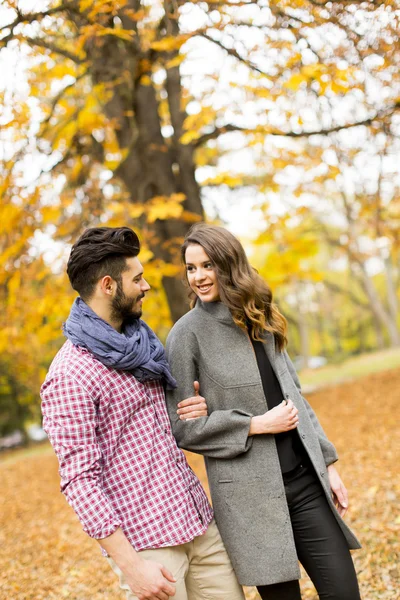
(107, 285)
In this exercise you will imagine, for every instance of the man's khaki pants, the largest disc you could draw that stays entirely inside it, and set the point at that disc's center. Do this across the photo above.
(202, 569)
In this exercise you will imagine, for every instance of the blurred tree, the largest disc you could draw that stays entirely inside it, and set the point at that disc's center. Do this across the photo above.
(361, 195)
(125, 116)
(134, 106)
(304, 258)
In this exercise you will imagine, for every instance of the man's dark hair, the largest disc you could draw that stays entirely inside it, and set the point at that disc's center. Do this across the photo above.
(100, 251)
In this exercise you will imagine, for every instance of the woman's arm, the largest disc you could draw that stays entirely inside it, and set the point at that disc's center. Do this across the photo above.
(339, 491)
(328, 449)
(222, 434)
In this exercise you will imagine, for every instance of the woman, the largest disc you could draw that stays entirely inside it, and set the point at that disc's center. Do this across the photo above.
(277, 495)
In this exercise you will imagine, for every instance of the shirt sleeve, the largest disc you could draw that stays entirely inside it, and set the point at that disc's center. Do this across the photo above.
(69, 419)
(223, 433)
(328, 449)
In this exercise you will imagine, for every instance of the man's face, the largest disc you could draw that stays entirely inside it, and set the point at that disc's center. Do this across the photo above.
(127, 300)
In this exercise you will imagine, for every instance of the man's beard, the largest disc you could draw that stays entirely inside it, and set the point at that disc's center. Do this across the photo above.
(122, 306)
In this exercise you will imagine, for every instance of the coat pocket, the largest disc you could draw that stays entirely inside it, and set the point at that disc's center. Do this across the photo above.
(224, 471)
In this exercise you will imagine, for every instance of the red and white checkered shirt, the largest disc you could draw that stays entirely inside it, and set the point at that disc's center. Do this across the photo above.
(119, 463)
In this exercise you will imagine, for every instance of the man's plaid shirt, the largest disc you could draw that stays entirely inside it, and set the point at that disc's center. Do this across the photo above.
(119, 463)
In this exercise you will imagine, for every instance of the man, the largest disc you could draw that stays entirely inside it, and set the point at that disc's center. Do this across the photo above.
(104, 411)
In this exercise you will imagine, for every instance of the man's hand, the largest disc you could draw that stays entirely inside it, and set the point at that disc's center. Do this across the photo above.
(150, 580)
(193, 407)
(339, 492)
(283, 417)
(147, 579)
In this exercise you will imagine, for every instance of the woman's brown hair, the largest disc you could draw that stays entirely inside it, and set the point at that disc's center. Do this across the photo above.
(241, 289)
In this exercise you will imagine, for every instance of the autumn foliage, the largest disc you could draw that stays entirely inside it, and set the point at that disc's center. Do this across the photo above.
(157, 114)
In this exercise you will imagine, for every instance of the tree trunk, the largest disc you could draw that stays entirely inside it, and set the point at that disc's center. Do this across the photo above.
(337, 336)
(393, 303)
(320, 325)
(377, 307)
(303, 325)
(380, 340)
(154, 165)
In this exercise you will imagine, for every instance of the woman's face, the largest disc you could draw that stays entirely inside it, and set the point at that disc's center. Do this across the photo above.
(200, 273)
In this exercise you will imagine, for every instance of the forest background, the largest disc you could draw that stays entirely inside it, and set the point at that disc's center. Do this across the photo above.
(280, 119)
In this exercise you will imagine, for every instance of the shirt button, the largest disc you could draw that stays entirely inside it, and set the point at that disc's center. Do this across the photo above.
(303, 435)
(322, 474)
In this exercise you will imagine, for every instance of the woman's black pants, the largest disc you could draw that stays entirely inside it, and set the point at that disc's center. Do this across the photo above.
(320, 543)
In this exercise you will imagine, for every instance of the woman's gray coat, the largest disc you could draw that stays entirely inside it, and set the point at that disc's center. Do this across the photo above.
(244, 472)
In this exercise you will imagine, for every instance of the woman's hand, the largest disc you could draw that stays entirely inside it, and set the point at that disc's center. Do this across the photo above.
(283, 417)
(193, 407)
(339, 492)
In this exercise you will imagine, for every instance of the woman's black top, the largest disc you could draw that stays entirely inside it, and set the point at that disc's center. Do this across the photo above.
(290, 449)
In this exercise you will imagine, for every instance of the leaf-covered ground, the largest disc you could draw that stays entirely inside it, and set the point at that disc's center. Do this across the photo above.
(44, 555)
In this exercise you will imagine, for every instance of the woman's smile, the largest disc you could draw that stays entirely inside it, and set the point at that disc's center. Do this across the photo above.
(203, 289)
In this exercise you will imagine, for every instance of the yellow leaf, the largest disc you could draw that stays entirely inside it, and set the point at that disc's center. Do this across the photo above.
(224, 179)
(296, 58)
(164, 207)
(145, 80)
(175, 62)
(295, 82)
(135, 210)
(116, 208)
(339, 87)
(85, 4)
(65, 135)
(188, 137)
(313, 71)
(14, 285)
(62, 70)
(135, 15)
(51, 214)
(169, 43)
(178, 197)
(190, 217)
(145, 255)
(76, 169)
(123, 34)
(261, 92)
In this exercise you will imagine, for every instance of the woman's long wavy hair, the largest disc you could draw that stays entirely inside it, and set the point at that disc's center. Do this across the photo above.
(243, 291)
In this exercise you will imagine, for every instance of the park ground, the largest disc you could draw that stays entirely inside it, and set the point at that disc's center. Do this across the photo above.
(44, 555)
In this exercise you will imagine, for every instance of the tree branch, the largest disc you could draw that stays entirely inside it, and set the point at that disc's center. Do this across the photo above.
(54, 48)
(293, 134)
(323, 3)
(235, 54)
(56, 100)
(346, 292)
(280, 15)
(36, 16)
(29, 18)
(216, 133)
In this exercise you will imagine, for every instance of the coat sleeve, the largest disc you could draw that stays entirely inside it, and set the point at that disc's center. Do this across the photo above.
(223, 433)
(328, 449)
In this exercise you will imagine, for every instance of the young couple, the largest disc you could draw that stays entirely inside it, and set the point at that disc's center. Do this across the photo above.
(277, 496)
